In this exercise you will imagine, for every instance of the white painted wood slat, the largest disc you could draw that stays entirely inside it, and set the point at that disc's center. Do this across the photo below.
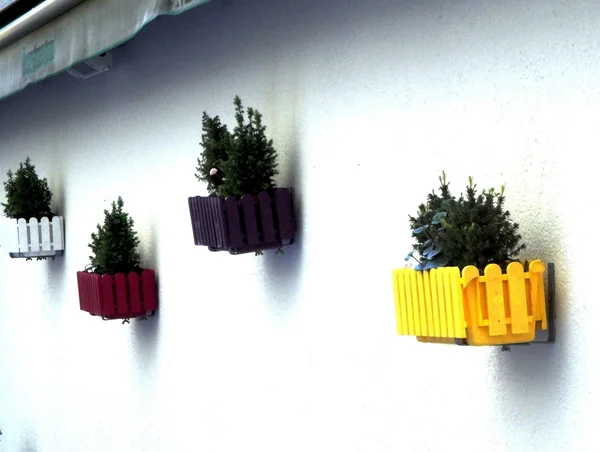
(23, 236)
(46, 241)
(34, 236)
(58, 239)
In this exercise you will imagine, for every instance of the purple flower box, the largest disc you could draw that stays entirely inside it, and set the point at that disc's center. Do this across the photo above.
(249, 224)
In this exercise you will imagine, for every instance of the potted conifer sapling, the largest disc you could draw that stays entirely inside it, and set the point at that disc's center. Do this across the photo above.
(245, 211)
(114, 286)
(31, 229)
(467, 286)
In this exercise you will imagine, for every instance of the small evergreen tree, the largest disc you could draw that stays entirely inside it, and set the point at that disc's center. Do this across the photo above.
(471, 230)
(27, 196)
(216, 142)
(115, 243)
(244, 161)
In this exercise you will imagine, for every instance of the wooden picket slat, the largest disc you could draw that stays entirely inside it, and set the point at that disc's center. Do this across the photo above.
(23, 236)
(422, 309)
(435, 304)
(83, 291)
(397, 302)
(194, 217)
(202, 222)
(518, 298)
(249, 213)
(222, 229)
(448, 301)
(495, 300)
(34, 235)
(96, 294)
(233, 221)
(58, 240)
(458, 311)
(470, 277)
(285, 215)
(135, 298)
(90, 288)
(402, 301)
(45, 237)
(120, 285)
(107, 304)
(409, 303)
(438, 278)
(415, 303)
(538, 296)
(266, 215)
(149, 290)
(429, 305)
(209, 220)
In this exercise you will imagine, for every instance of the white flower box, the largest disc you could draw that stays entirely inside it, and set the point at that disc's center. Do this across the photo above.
(33, 238)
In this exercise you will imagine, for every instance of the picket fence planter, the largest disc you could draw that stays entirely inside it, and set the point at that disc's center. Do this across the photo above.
(33, 238)
(250, 224)
(442, 306)
(120, 296)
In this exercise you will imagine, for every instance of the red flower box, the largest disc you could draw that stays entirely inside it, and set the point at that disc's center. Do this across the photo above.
(118, 297)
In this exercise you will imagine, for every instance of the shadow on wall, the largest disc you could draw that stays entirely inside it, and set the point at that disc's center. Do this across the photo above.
(281, 272)
(534, 381)
(146, 332)
(57, 277)
(29, 444)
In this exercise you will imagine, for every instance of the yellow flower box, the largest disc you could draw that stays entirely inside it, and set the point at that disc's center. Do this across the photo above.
(444, 306)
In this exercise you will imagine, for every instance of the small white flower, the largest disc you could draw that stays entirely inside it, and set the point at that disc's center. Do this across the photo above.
(213, 171)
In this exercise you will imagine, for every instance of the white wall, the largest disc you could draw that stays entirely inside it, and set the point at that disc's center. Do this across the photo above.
(367, 103)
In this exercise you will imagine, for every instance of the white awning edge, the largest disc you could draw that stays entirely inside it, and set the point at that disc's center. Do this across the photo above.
(85, 31)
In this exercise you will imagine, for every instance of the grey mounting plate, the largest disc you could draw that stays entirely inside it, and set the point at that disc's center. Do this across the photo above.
(548, 336)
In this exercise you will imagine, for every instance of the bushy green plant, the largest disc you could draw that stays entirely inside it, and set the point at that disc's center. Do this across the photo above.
(244, 161)
(216, 143)
(27, 196)
(115, 243)
(474, 229)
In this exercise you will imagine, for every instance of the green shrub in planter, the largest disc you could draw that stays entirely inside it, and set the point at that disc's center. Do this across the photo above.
(474, 229)
(27, 196)
(233, 164)
(115, 243)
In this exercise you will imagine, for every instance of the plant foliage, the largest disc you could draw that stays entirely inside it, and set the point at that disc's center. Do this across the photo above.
(27, 196)
(244, 161)
(474, 229)
(115, 243)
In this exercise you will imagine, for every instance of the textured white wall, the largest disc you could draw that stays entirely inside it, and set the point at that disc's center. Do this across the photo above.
(367, 103)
